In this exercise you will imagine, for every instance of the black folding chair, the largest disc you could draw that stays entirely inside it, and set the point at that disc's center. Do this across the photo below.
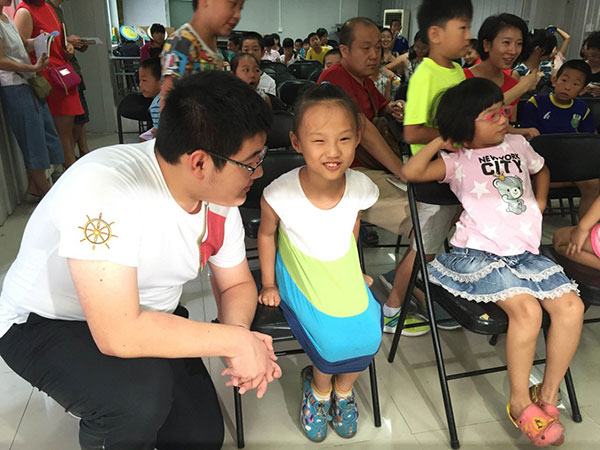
(481, 318)
(291, 89)
(594, 104)
(135, 107)
(580, 162)
(314, 76)
(278, 136)
(276, 103)
(565, 149)
(275, 67)
(281, 77)
(303, 68)
(270, 320)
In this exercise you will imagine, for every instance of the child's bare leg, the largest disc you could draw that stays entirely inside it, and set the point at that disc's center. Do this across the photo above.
(566, 321)
(321, 381)
(343, 382)
(587, 256)
(524, 321)
(590, 189)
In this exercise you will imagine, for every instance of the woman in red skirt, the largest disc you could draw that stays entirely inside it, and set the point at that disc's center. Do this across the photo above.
(33, 17)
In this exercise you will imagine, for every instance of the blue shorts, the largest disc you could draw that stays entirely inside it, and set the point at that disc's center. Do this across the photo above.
(33, 127)
(485, 277)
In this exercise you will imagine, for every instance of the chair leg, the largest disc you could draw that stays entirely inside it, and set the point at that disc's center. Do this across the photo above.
(375, 394)
(562, 207)
(572, 211)
(403, 313)
(576, 413)
(397, 248)
(239, 421)
(120, 128)
(494, 340)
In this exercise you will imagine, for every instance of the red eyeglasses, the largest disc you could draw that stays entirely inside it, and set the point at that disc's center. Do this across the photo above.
(506, 111)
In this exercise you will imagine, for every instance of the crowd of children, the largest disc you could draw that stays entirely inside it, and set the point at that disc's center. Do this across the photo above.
(461, 98)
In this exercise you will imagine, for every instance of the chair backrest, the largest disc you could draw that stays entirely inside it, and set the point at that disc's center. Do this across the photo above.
(520, 108)
(570, 157)
(401, 92)
(594, 104)
(303, 68)
(433, 193)
(135, 106)
(280, 77)
(277, 67)
(275, 164)
(270, 71)
(314, 76)
(290, 89)
(276, 103)
(279, 134)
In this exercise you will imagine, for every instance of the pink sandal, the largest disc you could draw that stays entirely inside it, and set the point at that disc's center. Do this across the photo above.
(540, 428)
(549, 409)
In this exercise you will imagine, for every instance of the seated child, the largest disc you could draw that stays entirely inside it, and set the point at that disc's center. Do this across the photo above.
(332, 57)
(245, 66)
(270, 54)
(309, 259)
(582, 243)
(289, 55)
(562, 112)
(495, 256)
(253, 43)
(149, 74)
(316, 51)
(472, 56)
(298, 46)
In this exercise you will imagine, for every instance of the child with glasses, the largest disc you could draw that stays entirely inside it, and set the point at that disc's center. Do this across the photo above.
(309, 259)
(502, 184)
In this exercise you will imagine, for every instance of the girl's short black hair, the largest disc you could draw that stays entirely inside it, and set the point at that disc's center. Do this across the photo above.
(235, 61)
(298, 40)
(288, 43)
(495, 24)
(213, 111)
(593, 40)
(539, 38)
(387, 30)
(157, 28)
(324, 92)
(269, 41)
(459, 106)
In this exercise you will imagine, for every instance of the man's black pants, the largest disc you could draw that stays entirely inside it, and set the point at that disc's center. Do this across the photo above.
(132, 404)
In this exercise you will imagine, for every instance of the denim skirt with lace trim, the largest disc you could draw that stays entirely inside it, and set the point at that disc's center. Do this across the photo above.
(484, 277)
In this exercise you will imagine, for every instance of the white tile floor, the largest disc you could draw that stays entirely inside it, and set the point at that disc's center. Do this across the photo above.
(412, 410)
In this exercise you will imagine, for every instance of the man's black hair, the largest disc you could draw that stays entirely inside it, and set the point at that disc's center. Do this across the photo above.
(495, 24)
(157, 28)
(539, 38)
(459, 106)
(213, 111)
(346, 33)
(322, 32)
(577, 64)
(253, 35)
(152, 64)
(439, 12)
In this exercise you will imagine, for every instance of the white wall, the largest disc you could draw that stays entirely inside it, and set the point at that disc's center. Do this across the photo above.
(90, 18)
(145, 12)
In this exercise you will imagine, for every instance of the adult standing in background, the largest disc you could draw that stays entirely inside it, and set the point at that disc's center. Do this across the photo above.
(400, 42)
(79, 132)
(28, 118)
(154, 48)
(33, 17)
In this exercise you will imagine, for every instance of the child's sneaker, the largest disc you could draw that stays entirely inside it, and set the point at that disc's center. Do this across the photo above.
(390, 323)
(345, 415)
(314, 415)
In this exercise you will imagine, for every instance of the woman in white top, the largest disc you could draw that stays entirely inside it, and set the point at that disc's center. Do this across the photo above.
(28, 117)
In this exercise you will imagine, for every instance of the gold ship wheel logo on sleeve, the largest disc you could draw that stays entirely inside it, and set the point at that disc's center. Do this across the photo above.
(97, 231)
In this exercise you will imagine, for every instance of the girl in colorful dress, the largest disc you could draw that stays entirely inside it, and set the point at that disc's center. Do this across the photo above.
(496, 245)
(309, 259)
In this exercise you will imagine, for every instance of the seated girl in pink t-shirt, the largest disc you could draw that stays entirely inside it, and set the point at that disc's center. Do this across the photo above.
(502, 184)
(582, 243)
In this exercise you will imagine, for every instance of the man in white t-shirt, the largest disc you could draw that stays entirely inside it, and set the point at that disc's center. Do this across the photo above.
(89, 309)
